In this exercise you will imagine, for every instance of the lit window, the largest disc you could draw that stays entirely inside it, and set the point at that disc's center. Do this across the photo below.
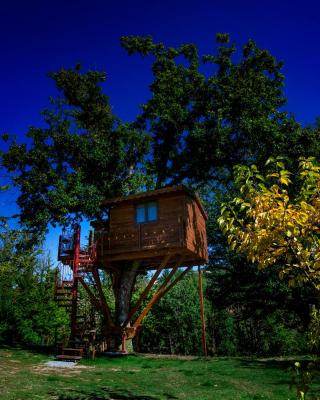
(146, 212)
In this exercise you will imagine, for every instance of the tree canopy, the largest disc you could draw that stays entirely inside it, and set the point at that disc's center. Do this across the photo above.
(208, 113)
(84, 155)
(204, 115)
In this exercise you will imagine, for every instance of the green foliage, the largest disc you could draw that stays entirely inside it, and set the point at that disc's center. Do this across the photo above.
(226, 337)
(280, 334)
(202, 124)
(28, 313)
(274, 223)
(83, 156)
(314, 331)
(241, 330)
(173, 326)
(303, 377)
(254, 304)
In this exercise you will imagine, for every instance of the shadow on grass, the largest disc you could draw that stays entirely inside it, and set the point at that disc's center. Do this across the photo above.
(106, 394)
(271, 363)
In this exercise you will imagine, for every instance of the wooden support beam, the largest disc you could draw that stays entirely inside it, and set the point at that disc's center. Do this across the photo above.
(92, 297)
(170, 275)
(203, 321)
(103, 301)
(176, 280)
(146, 291)
(161, 292)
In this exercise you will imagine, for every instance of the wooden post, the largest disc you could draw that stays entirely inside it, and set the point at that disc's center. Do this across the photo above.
(203, 322)
(75, 266)
(123, 346)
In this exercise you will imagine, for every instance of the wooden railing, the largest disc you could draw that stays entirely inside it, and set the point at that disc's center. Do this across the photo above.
(140, 237)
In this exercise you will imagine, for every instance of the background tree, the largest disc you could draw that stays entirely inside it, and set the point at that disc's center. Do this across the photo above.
(83, 156)
(270, 224)
(28, 313)
(173, 326)
(202, 124)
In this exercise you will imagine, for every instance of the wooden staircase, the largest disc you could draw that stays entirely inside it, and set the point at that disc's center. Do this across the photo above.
(75, 266)
(63, 294)
(84, 336)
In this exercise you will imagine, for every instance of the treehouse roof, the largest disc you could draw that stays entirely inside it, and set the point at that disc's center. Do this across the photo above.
(155, 194)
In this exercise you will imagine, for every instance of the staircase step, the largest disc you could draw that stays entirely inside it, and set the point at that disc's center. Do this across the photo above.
(67, 283)
(79, 351)
(67, 305)
(64, 301)
(63, 298)
(68, 357)
(63, 294)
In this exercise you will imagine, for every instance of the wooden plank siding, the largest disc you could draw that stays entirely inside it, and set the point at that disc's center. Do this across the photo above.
(196, 235)
(179, 228)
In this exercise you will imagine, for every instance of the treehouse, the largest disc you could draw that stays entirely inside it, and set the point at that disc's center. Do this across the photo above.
(155, 230)
(148, 226)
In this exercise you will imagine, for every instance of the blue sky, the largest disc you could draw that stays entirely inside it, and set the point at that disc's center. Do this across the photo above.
(41, 36)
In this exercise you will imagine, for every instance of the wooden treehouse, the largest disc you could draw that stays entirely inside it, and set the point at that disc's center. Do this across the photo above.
(155, 230)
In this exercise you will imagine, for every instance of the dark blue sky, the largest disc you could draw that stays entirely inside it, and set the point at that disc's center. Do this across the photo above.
(41, 36)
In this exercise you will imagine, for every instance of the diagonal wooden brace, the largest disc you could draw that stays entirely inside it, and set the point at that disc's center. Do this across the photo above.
(94, 301)
(161, 291)
(103, 302)
(178, 278)
(146, 291)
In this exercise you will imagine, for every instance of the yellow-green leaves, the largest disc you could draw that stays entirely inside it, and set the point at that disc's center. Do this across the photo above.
(271, 226)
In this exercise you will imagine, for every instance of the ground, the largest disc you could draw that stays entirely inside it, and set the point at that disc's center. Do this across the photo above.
(23, 375)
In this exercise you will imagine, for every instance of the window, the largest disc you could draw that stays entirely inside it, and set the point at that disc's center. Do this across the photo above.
(140, 214)
(152, 211)
(146, 212)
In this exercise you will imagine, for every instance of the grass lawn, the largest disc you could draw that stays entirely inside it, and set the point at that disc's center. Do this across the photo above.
(23, 375)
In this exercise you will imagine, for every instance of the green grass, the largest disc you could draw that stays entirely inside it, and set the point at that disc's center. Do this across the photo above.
(24, 376)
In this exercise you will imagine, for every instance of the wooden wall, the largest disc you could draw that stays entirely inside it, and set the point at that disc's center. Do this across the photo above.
(124, 234)
(167, 231)
(180, 224)
(196, 234)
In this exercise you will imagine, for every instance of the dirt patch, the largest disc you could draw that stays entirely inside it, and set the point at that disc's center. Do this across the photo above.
(6, 354)
(11, 371)
(169, 356)
(45, 370)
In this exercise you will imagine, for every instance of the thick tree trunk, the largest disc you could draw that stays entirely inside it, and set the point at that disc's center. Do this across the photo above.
(123, 286)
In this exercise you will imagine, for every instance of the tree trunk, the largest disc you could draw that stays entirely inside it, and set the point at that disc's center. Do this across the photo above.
(123, 285)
